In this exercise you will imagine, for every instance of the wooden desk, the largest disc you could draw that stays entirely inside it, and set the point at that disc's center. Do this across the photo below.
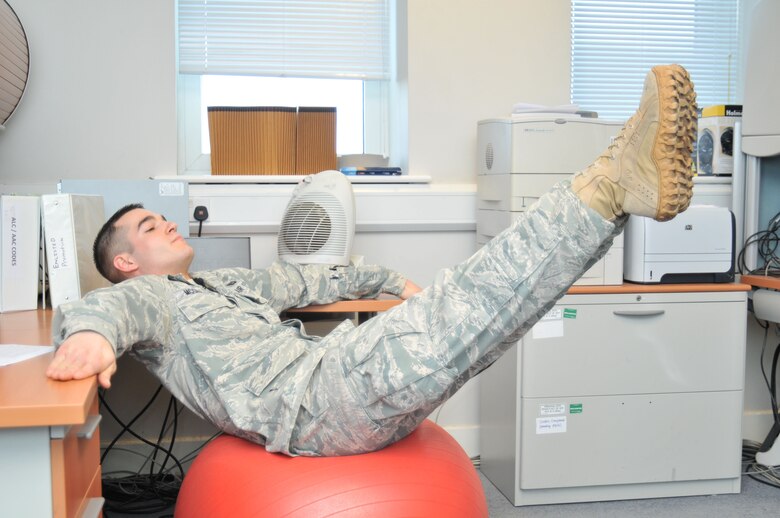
(365, 308)
(49, 438)
(761, 281)
(630, 287)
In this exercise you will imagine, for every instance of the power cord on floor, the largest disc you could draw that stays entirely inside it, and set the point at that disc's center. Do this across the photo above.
(144, 493)
(769, 475)
(771, 380)
(764, 474)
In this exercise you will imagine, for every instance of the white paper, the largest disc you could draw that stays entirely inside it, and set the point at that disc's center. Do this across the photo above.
(552, 409)
(550, 325)
(542, 108)
(545, 425)
(15, 353)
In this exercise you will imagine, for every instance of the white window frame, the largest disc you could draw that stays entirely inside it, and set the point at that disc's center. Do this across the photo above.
(378, 97)
(192, 160)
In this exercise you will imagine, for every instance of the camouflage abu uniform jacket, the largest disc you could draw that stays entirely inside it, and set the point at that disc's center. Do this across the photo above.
(217, 343)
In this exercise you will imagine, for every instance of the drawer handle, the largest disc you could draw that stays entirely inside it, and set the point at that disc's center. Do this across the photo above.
(640, 313)
(89, 427)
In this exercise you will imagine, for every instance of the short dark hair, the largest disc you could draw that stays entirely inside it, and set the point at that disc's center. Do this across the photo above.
(106, 245)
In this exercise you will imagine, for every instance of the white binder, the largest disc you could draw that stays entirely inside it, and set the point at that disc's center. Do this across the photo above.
(70, 224)
(19, 252)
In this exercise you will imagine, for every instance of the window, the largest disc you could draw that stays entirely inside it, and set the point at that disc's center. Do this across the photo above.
(614, 44)
(284, 53)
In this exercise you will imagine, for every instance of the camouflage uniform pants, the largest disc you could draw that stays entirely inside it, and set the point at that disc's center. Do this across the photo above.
(386, 376)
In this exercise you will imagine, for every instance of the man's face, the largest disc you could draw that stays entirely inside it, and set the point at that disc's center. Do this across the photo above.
(156, 247)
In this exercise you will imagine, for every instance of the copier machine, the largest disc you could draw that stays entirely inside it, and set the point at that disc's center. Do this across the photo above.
(523, 156)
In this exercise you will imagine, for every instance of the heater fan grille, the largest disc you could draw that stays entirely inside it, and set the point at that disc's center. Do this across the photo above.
(314, 224)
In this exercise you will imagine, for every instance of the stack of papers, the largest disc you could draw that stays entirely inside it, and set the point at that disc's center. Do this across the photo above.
(14, 353)
(541, 108)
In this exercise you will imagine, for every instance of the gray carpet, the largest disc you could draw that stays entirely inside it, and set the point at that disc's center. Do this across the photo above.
(755, 500)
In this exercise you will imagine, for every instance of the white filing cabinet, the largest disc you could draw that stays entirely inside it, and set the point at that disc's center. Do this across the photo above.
(618, 396)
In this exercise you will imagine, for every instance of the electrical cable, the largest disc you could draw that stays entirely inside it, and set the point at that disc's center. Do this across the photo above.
(125, 427)
(171, 405)
(767, 242)
(770, 385)
(769, 475)
(140, 493)
(191, 455)
(763, 474)
(137, 493)
(201, 214)
(773, 383)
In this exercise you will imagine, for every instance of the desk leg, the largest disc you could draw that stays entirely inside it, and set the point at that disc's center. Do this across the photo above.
(364, 316)
(25, 476)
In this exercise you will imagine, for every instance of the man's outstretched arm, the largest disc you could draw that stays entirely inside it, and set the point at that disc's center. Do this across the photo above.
(82, 355)
(286, 285)
(91, 333)
(410, 289)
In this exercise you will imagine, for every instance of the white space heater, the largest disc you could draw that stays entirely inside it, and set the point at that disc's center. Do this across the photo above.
(319, 222)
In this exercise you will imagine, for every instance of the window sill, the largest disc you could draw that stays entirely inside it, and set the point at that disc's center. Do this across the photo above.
(290, 179)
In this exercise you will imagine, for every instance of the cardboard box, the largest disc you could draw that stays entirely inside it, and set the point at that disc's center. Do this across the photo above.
(269, 140)
(252, 140)
(315, 148)
(714, 146)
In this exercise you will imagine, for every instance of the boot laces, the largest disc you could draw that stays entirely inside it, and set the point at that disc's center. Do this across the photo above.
(617, 142)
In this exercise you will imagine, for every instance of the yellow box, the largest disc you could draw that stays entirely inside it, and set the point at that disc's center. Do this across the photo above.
(722, 110)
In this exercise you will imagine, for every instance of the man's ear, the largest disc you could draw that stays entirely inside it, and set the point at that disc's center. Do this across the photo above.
(125, 263)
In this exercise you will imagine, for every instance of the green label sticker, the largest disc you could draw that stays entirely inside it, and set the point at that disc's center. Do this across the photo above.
(575, 408)
(569, 313)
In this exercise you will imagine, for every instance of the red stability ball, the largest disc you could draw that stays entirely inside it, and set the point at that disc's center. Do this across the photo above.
(427, 474)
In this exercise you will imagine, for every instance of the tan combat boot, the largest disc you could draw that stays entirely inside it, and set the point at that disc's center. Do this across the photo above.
(647, 170)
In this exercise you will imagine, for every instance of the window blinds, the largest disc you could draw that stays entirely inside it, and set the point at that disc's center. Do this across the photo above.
(346, 39)
(615, 43)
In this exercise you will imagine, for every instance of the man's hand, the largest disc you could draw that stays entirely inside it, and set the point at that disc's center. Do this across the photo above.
(409, 289)
(83, 355)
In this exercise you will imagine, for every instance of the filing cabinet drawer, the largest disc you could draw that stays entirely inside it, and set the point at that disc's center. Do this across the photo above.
(636, 347)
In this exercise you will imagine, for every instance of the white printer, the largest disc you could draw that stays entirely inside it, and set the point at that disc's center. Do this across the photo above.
(523, 156)
(696, 246)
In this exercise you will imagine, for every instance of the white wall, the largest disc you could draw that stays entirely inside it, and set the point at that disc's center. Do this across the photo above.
(100, 101)
(470, 60)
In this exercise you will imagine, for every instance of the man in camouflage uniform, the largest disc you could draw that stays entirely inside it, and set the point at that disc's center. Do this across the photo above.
(216, 342)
